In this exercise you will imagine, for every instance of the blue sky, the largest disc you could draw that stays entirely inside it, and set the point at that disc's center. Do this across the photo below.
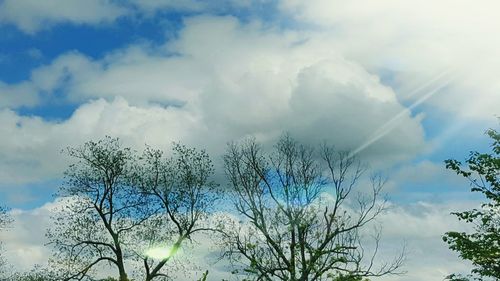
(408, 85)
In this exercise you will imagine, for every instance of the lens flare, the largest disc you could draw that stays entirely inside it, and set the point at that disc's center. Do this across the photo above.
(161, 253)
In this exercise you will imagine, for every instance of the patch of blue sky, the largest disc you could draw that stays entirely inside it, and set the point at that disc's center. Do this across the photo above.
(50, 111)
(268, 13)
(441, 186)
(28, 196)
(451, 136)
(459, 146)
(21, 53)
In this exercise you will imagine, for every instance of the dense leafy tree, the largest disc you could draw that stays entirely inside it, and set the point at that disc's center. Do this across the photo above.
(482, 245)
(300, 216)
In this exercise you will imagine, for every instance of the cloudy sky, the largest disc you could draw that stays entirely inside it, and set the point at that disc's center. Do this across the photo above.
(404, 85)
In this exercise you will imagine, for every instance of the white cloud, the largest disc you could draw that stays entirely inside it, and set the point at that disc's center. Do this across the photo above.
(31, 16)
(421, 226)
(222, 80)
(249, 81)
(22, 94)
(32, 153)
(25, 238)
(414, 43)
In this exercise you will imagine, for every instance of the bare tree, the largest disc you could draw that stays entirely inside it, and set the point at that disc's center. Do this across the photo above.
(182, 187)
(101, 210)
(300, 217)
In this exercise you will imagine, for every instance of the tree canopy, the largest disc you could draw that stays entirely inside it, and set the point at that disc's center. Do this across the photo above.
(121, 206)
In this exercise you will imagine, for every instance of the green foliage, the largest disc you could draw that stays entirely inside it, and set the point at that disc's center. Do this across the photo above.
(481, 247)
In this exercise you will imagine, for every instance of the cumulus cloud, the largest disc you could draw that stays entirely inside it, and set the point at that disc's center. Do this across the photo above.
(248, 81)
(407, 45)
(32, 15)
(414, 44)
(343, 77)
(33, 152)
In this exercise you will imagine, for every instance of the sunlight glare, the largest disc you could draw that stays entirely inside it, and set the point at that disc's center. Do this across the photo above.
(160, 253)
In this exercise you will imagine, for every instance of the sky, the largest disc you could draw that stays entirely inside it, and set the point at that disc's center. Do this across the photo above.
(402, 85)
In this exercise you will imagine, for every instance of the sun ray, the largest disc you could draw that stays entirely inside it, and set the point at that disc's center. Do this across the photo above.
(439, 83)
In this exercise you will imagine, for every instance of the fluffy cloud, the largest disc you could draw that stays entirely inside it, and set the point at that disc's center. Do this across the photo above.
(346, 80)
(33, 152)
(249, 81)
(25, 238)
(13, 96)
(414, 44)
(32, 15)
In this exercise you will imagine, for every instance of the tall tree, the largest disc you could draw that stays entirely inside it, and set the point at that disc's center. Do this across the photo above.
(182, 187)
(130, 211)
(482, 245)
(102, 208)
(300, 216)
